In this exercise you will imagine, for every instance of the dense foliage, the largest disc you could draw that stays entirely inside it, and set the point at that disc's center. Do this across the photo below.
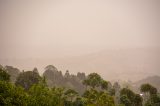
(31, 89)
(129, 98)
(3, 75)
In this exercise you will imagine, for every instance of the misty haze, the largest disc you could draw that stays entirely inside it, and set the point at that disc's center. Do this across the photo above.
(65, 43)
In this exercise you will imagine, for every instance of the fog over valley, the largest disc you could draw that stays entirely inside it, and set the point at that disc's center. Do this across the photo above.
(117, 39)
(79, 52)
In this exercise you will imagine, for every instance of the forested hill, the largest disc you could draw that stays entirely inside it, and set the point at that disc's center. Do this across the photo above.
(56, 78)
(123, 64)
(28, 88)
(53, 76)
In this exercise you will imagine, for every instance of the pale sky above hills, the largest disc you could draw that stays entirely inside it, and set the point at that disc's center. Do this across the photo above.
(60, 28)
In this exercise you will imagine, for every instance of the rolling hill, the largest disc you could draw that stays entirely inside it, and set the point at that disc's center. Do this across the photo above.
(123, 64)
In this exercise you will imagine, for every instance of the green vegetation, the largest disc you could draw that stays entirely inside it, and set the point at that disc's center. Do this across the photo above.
(129, 98)
(3, 75)
(31, 89)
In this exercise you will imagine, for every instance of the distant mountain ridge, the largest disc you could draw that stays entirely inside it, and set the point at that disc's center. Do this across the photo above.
(124, 64)
(153, 80)
(54, 77)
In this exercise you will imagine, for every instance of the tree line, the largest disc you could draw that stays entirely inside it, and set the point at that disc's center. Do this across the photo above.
(31, 89)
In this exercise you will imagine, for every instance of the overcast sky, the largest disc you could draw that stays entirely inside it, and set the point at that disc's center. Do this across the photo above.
(59, 28)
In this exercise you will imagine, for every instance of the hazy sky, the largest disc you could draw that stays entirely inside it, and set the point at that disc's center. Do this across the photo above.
(59, 28)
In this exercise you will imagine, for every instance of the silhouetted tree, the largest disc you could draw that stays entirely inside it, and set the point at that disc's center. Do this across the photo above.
(13, 72)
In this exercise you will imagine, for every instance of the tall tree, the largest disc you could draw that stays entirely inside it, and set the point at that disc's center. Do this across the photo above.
(150, 95)
(4, 76)
(93, 80)
(116, 91)
(129, 98)
(27, 79)
(104, 85)
(13, 72)
(145, 88)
